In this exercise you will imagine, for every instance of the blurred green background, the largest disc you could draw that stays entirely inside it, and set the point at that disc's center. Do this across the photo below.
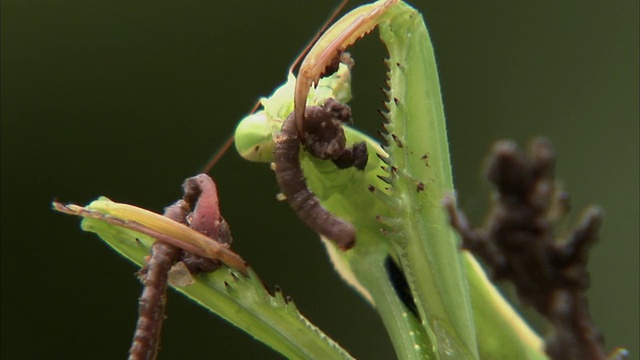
(127, 98)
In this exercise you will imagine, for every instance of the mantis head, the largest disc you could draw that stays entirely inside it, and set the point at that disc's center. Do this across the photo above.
(254, 136)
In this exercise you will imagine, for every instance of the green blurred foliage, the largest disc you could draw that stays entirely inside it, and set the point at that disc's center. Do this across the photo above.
(128, 98)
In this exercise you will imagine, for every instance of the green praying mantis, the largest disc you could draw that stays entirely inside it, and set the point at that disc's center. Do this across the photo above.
(449, 310)
(416, 176)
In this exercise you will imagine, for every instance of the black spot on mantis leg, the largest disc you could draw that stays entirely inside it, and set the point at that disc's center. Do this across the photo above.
(425, 158)
(325, 139)
(200, 194)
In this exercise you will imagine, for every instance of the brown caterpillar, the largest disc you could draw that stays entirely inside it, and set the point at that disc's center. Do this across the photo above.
(324, 138)
(200, 194)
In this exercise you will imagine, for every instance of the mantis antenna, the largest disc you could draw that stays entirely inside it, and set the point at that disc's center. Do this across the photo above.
(227, 144)
(223, 149)
(318, 34)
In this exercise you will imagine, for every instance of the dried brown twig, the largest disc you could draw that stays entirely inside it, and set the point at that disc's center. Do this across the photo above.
(518, 245)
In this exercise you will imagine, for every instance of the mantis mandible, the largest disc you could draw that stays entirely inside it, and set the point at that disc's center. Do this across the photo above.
(394, 204)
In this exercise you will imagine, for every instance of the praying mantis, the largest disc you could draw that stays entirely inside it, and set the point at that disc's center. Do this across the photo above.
(381, 231)
(416, 168)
